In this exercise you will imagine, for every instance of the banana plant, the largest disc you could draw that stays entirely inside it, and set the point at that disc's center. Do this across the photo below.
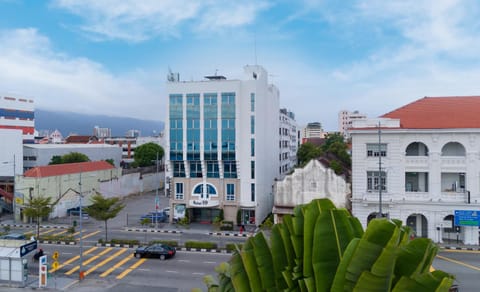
(322, 248)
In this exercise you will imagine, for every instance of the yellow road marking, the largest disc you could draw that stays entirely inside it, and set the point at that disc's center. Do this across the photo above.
(73, 259)
(106, 261)
(88, 261)
(131, 268)
(89, 235)
(61, 232)
(458, 262)
(47, 231)
(432, 269)
(76, 233)
(107, 272)
(459, 251)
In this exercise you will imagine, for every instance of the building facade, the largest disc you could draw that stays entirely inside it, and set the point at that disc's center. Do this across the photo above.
(41, 154)
(312, 130)
(222, 146)
(420, 164)
(288, 144)
(19, 114)
(345, 121)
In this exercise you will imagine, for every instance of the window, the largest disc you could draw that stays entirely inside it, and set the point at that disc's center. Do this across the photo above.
(212, 169)
(178, 191)
(210, 191)
(230, 192)
(252, 102)
(252, 124)
(252, 192)
(252, 147)
(252, 169)
(373, 150)
(229, 169)
(195, 169)
(178, 169)
(373, 179)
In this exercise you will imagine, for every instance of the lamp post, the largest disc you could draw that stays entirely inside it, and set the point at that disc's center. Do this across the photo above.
(157, 199)
(80, 224)
(380, 184)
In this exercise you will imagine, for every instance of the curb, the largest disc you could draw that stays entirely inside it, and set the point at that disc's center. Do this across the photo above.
(58, 242)
(461, 248)
(228, 234)
(116, 245)
(178, 248)
(153, 230)
(34, 226)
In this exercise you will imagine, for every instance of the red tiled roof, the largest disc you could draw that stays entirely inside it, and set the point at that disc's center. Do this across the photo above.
(451, 112)
(67, 168)
(72, 139)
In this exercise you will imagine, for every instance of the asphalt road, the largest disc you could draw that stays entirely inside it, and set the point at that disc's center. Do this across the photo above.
(115, 269)
(465, 265)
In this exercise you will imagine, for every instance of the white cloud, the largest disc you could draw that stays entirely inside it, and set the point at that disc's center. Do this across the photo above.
(135, 21)
(61, 82)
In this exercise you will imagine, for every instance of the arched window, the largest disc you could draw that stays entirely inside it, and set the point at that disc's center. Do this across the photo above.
(210, 191)
(453, 149)
(416, 149)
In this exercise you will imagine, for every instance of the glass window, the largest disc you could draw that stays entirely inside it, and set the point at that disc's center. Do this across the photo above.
(252, 192)
(252, 147)
(252, 169)
(195, 169)
(373, 150)
(252, 124)
(373, 180)
(229, 169)
(252, 102)
(178, 191)
(230, 192)
(212, 169)
(178, 169)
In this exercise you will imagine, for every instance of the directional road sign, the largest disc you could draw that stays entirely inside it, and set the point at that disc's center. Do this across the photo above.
(467, 218)
(26, 248)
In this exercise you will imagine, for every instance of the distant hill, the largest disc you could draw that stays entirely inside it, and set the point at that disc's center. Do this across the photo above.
(82, 124)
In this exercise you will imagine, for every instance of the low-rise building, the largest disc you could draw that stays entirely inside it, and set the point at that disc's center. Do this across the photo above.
(313, 181)
(420, 163)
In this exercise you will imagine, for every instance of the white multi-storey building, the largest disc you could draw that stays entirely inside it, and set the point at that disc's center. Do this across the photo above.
(222, 146)
(345, 121)
(312, 130)
(288, 143)
(423, 161)
(18, 114)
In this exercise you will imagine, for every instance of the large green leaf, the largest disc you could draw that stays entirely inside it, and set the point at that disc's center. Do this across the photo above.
(339, 281)
(263, 258)
(250, 264)
(238, 274)
(279, 256)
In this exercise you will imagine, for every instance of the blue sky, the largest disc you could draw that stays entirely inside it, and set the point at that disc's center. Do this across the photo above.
(112, 56)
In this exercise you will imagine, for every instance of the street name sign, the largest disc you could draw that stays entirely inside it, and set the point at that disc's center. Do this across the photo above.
(467, 218)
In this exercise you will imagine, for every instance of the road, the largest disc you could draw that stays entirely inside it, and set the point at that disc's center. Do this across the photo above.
(465, 265)
(114, 269)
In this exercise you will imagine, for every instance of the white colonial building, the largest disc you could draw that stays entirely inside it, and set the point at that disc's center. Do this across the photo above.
(222, 146)
(423, 160)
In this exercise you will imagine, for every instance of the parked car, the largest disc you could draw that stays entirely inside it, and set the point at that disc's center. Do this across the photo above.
(17, 236)
(158, 250)
(155, 217)
(167, 211)
(76, 212)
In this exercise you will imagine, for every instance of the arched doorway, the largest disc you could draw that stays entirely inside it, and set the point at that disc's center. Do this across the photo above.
(419, 224)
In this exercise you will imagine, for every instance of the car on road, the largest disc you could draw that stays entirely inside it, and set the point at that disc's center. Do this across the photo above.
(155, 217)
(157, 250)
(167, 211)
(16, 236)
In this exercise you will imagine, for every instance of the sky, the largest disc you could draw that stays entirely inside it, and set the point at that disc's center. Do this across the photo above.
(112, 56)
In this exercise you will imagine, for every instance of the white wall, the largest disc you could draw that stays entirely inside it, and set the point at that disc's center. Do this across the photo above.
(11, 144)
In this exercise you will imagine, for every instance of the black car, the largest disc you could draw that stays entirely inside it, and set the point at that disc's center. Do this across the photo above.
(158, 250)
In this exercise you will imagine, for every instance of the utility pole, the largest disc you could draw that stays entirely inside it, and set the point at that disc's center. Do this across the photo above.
(81, 234)
(380, 184)
(14, 203)
(157, 199)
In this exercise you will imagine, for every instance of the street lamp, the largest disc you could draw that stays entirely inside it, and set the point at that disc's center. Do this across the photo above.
(380, 184)
(157, 199)
(80, 225)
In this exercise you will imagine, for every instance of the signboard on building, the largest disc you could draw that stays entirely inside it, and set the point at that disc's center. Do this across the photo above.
(467, 218)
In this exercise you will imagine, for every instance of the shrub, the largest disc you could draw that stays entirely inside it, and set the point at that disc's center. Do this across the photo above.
(232, 246)
(226, 225)
(57, 238)
(201, 244)
(120, 241)
(71, 230)
(167, 242)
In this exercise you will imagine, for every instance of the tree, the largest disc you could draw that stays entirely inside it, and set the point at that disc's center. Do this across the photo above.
(146, 154)
(307, 152)
(38, 208)
(111, 161)
(322, 248)
(71, 157)
(104, 209)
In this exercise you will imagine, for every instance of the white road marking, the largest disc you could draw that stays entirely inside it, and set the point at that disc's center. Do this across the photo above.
(176, 272)
(209, 262)
(185, 261)
(145, 270)
(198, 274)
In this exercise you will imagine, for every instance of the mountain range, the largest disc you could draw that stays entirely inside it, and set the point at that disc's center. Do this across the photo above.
(82, 124)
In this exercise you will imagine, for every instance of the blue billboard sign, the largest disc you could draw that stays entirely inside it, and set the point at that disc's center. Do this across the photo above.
(467, 218)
